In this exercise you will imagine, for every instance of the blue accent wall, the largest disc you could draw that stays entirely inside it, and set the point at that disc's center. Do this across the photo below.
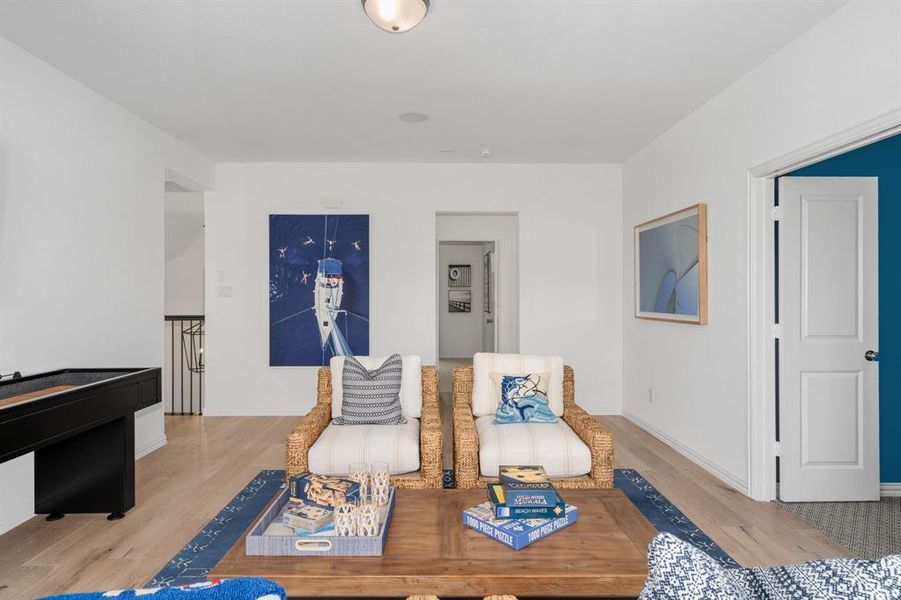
(883, 160)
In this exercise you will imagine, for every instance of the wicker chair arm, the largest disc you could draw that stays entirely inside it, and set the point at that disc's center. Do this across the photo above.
(304, 435)
(431, 442)
(598, 439)
(466, 448)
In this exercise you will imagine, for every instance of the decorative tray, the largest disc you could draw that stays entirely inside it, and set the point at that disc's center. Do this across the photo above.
(321, 543)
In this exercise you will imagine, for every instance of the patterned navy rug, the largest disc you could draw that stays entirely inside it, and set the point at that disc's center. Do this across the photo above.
(206, 549)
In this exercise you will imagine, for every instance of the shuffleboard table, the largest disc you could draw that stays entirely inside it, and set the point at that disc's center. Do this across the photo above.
(80, 425)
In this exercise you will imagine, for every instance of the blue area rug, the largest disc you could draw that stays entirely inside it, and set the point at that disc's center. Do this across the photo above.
(664, 516)
(194, 562)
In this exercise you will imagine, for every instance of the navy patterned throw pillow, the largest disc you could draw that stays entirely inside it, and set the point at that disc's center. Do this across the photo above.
(679, 571)
(371, 397)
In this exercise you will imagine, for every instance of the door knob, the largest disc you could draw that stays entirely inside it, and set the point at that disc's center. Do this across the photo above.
(871, 355)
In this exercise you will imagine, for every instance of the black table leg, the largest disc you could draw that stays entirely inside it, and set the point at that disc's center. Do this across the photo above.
(92, 472)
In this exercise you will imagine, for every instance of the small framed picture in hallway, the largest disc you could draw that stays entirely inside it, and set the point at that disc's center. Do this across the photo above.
(459, 301)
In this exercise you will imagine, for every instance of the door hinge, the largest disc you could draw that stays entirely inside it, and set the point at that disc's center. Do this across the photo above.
(777, 213)
(777, 448)
(777, 331)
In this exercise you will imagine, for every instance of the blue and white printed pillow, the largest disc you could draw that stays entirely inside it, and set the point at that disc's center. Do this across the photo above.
(523, 399)
(678, 570)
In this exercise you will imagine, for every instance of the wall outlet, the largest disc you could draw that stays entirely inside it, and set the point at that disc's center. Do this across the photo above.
(224, 291)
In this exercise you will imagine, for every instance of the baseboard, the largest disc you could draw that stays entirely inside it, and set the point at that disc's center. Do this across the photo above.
(891, 490)
(14, 521)
(703, 462)
(256, 412)
(150, 447)
(602, 409)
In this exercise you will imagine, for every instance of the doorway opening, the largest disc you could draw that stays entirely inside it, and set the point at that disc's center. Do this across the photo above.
(768, 319)
(476, 288)
(183, 320)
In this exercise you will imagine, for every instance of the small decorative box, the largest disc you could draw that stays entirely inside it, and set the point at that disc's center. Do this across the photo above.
(306, 515)
(324, 490)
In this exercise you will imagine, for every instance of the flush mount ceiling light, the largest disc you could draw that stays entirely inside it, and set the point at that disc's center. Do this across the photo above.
(396, 16)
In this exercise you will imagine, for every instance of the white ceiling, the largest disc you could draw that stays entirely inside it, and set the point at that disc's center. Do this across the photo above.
(535, 81)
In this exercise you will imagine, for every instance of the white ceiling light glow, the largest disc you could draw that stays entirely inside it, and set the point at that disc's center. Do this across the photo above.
(396, 16)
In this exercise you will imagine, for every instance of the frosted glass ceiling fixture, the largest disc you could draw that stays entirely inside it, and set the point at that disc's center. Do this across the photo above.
(396, 16)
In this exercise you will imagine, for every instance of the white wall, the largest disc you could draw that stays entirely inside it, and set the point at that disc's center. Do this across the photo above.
(570, 257)
(459, 334)
(81, 237)
(184, 254)
(843, 72)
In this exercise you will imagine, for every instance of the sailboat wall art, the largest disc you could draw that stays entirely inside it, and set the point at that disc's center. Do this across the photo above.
(671, 267)
(318, 288)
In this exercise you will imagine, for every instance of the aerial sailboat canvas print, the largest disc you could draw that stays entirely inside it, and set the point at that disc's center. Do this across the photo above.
(671, 267)
(318, 288)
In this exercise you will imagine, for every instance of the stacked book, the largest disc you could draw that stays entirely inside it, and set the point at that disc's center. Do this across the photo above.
(522, 507)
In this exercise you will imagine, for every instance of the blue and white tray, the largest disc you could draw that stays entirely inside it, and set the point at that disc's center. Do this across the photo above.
(321, 543)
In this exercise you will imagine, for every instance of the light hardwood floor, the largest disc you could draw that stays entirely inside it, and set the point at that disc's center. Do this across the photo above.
(209, 459)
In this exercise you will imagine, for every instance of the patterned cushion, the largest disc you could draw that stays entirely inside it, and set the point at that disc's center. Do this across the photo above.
(678, 570)
(245, 588)
(554, 446)
(486, 396)
(523, 399)
(371, 397)
(410, 383)
(337, 447)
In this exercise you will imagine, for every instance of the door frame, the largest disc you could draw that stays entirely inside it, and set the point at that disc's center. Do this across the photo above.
(761, 355)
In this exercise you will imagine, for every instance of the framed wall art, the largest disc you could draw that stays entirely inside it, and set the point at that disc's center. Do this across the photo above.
(459, 275)
(671, 267)
(318, 288)
(459, 301)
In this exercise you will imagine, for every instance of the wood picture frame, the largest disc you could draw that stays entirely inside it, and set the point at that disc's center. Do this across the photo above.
(670, 268)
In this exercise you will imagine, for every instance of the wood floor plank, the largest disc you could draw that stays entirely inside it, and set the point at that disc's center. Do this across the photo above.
(209, 459)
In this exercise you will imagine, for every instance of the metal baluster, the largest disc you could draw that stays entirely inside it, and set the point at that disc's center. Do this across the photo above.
(181, 365)
(172, 368)
(200, 366)
(191, 372)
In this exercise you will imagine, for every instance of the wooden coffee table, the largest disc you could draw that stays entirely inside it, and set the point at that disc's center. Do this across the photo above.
(430, 551)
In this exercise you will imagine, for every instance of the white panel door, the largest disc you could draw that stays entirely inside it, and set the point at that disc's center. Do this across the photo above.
(829, 387)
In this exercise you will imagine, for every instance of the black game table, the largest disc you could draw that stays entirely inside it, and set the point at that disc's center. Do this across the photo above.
(80, 425)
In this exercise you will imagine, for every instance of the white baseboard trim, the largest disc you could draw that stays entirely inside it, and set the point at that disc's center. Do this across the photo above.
(14, 521)
(891, 490)
(602, 409)
(256, 412)
(151, 446)
(726, 477)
